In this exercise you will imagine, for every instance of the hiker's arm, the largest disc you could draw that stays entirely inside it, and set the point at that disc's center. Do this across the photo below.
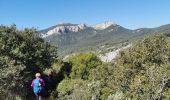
(32, 84)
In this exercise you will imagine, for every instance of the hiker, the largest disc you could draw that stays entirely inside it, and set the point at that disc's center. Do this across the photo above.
(51, 81)
(50, 84)
(38, 86)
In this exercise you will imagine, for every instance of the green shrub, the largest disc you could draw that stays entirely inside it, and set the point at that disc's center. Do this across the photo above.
(82, 64)
(73, 89)
(142, 71)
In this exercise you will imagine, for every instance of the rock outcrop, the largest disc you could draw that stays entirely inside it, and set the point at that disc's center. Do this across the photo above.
(104, 25)
(65, 28)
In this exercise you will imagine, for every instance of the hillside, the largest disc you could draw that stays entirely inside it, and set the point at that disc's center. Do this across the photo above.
(139, 70)
(71, 38)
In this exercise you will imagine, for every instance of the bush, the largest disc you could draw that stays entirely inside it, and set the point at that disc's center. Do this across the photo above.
(142, 71)
(82, 64)
(78, 88)
(75, 90)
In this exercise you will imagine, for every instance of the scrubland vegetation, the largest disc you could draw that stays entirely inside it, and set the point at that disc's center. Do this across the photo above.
(140, 72)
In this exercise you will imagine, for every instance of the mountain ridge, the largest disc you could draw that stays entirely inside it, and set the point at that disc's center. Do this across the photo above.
(77, 37)
(69, 27)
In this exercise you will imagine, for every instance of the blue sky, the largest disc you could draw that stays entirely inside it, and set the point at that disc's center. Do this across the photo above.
(45, 13)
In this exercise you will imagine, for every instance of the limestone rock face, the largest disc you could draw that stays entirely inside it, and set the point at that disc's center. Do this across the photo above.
(104, 25)
(67, 27)
(62, 28)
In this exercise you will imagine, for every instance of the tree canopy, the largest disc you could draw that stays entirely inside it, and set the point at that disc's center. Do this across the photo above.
(22, 54)
(143, 71)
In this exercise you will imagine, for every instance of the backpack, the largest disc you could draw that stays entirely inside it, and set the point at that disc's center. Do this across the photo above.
(37, 88)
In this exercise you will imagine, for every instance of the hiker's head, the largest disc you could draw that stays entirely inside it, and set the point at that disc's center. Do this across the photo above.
(50, 72)
(37, 75)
